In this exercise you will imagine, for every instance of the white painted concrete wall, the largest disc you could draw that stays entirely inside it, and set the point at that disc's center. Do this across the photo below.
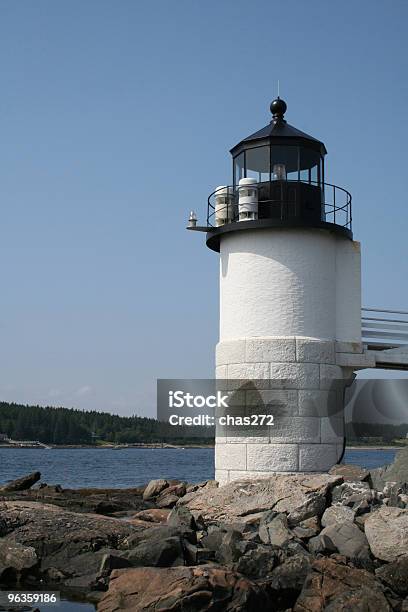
(348, 291)
(278, 283)
(289, 282)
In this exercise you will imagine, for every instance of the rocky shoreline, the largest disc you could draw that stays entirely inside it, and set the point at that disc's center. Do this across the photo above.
(301, 542)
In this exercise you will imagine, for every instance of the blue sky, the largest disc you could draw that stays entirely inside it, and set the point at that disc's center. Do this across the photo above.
(116, 119)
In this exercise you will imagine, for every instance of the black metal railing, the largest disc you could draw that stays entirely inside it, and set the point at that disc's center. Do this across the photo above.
(284, 200)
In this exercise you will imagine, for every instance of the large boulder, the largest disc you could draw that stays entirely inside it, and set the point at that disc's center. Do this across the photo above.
(21, 484)
(154, 488)
(230, 549)
(342, 492)
(349, 540)
(194, 589)
(178, 489)
(84, 571)
(159, 546)
(351, 473)
(355, 495)
(181, 517)
(214, 536)
(157, 552)
(167, 501)
(286, 580)
(101, 501)
(396, 472)
(395, 494)
(257, 562)
(48, 528)
(170, 495)
(336, 515)
(152, 515)
(321, 544)
(308, 528)
(387, 533)
(300, 496)
(15, 557)
(334, 587)
(157, 532)
(275, 531)
(395, 575)
(69, 546)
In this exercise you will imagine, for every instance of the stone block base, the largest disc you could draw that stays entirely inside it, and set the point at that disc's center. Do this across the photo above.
(301, 382)
(258, 460)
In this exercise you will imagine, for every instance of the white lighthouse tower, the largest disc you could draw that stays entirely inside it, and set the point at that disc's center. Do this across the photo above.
(290, 303)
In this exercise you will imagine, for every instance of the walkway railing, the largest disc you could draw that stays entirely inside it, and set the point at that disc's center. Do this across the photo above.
(384, 329)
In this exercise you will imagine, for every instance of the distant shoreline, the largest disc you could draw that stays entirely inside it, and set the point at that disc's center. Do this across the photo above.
(375, 447)
(106, 446)
(164, 447)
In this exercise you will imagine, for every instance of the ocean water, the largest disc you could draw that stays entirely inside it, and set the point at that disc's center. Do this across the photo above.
(131, 467)
(371, 458)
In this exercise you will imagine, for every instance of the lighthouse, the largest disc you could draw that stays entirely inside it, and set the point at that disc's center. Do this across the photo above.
(290, 303)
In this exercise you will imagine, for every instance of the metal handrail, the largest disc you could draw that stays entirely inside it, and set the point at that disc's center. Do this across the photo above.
(331, 209)
(402, 312)
(384, 331)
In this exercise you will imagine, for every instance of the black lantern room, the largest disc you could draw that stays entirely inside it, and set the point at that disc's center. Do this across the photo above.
(278, 181)
(279, 152)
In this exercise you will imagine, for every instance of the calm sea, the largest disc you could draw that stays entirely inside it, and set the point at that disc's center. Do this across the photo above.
(129, 468)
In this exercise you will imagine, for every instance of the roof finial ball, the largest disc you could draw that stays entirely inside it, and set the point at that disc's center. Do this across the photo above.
(278, 109)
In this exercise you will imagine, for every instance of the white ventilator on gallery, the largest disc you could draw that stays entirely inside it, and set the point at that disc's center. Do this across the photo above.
(290, 303)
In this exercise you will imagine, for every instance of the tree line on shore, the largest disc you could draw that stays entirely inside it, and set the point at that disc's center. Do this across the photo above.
(71, 426)
(377, 432)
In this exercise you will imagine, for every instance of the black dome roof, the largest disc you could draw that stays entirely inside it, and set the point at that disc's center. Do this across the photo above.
(278, 131)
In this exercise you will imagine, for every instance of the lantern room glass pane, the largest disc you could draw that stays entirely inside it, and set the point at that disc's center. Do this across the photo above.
(310, 171)
(289, 157)
(239, 168)
(257, 164)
